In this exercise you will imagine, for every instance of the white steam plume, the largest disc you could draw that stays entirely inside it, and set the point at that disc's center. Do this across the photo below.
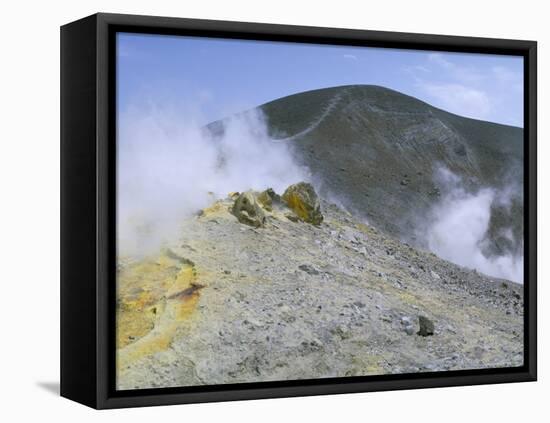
(459, 225)
(169, 168)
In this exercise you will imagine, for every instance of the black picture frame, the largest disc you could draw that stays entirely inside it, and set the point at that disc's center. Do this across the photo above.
(88, 209)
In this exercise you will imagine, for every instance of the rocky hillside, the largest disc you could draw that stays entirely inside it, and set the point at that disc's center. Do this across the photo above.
(376, 151)
(263, 287)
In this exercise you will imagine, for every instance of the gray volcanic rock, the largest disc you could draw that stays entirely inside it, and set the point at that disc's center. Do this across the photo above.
(426, 326)
(231, 303)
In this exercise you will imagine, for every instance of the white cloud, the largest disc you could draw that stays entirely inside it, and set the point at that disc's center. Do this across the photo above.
(438, 59)
(421, 68)
(451, 83)
(465, 74)
(416, 71)
(508, 78)
(459, 99)
(350, 56)
(482, 87)
(505, 75)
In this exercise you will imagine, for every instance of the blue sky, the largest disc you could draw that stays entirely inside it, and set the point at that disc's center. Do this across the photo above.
(213, 78)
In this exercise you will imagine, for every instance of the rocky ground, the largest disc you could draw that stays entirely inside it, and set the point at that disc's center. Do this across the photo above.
(254, 292)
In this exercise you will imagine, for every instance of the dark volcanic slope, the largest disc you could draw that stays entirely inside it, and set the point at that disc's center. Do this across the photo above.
(376, 150)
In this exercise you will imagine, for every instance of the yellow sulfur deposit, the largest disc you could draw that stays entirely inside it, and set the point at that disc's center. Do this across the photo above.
(303, 201)
(154, 298)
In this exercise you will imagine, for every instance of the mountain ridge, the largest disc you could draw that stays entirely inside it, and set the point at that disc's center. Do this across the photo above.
(378, 153)
(390, 90)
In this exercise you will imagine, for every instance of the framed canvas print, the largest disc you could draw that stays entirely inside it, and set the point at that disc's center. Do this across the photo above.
(254, 211)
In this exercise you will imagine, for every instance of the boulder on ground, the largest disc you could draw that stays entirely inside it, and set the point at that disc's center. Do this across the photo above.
(267, 198)
(302, 199)
(426, 326)
(247, 210)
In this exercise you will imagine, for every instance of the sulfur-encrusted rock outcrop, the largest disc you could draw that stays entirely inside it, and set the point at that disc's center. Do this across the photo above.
(302, 199)
(247, 210)
(267, 198)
